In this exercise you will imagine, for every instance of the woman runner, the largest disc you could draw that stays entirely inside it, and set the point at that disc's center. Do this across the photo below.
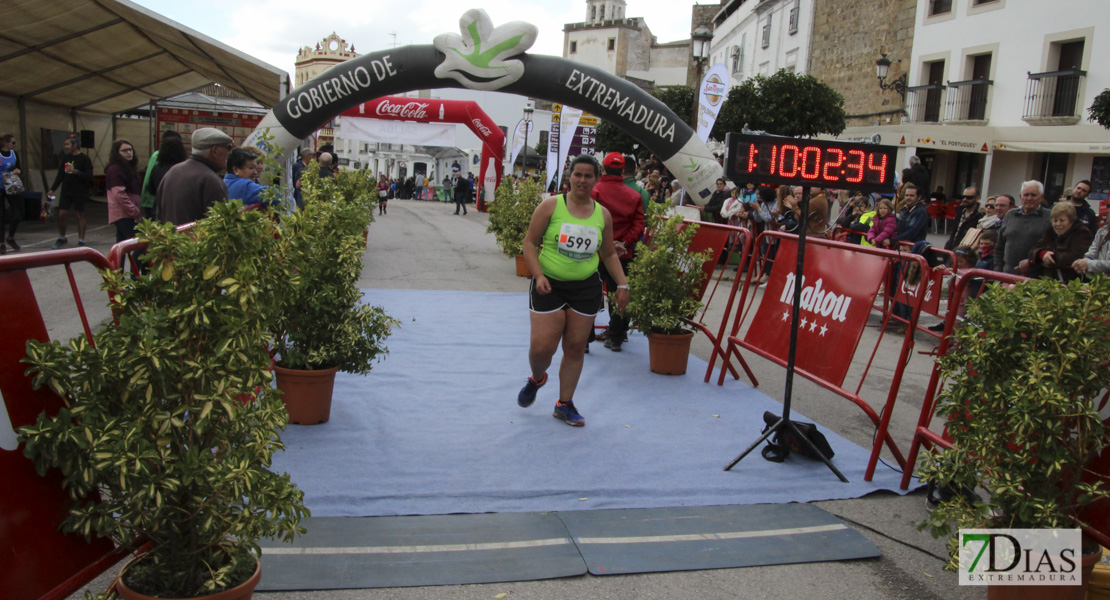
(565, 294)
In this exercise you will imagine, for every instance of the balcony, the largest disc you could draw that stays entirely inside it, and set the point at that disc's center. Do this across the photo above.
(967, 101)
(923, 103)
(1053, 98)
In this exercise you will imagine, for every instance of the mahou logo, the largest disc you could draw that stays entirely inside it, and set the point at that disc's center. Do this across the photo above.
(410, 110)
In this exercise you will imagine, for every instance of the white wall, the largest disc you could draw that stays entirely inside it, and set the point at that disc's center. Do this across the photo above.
(1022, 30)
(744, 28)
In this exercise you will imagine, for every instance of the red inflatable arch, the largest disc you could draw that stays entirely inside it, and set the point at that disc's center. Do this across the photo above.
(431, 110)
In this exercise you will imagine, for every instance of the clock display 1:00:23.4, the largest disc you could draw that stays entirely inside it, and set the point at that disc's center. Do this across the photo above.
(829, 165)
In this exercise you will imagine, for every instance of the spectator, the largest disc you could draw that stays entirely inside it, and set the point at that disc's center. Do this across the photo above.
(884, 227)
(988, 217)
(1083, 211)
(627, 216)
(987, 241)
(171, 153)
(462, 194)
(240, 178)
(914, 219)
(149, 192)
(971, 217)
(1097, 258)
(919, 175)
(122, 182)
(298, 169)
(327, 168)
(75, 177)
(1063, 243)
(191, 187)
(10, 208)
(1021, 229)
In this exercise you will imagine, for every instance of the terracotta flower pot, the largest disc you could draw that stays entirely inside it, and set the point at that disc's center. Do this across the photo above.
(243, 591)
(522, 267)
(669, 353)
(1048, 592)
(306, 394)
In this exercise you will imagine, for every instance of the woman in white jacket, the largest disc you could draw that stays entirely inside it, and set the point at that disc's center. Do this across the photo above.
(1097, 259)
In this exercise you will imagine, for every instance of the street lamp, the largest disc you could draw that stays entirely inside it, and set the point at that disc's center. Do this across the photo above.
(702, 38)
(527, 127)
(882, 68)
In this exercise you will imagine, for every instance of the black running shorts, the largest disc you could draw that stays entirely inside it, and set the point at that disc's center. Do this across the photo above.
(583, 297)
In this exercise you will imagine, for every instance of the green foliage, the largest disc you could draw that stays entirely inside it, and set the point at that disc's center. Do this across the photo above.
(511, 212)
(323, 322)
(663, 275)
(1023, 378)
(169, 423)
(681, 99)
(783, 104)
(1100, 109)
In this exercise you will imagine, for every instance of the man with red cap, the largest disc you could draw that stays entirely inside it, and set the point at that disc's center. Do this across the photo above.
(627, 209)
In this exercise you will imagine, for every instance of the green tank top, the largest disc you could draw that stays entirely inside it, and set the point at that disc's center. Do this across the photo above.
(570, 244)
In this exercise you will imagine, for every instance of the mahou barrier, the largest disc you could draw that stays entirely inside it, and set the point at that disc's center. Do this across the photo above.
(840, 286)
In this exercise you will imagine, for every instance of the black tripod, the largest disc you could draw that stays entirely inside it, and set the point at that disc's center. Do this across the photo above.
(785, 422)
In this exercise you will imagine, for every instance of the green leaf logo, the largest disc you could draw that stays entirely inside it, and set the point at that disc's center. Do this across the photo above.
(479, 59)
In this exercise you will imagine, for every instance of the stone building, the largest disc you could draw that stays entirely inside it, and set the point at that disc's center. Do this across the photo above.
(848, 37)
(610, 40)
(311, 62)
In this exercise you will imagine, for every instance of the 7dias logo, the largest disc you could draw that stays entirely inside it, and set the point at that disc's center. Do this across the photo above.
(1019, 557)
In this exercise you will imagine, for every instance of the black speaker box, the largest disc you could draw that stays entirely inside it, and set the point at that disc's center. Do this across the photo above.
(88, 138)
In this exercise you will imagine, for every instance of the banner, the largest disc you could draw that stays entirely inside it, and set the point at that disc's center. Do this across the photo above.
(389, 132)
(711, 96)
(838, 291)
(567, 127)
(520, 137)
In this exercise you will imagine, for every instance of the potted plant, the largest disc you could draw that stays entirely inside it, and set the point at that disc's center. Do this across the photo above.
(663, 279)
(169, 421)
(323, 326)
(1023, 378)
(509, 216)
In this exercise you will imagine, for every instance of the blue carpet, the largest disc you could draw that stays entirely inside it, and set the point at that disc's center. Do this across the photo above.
(435, 429)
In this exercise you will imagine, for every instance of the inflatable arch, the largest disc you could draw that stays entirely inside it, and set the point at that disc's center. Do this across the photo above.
(430, 110)
(492, 58)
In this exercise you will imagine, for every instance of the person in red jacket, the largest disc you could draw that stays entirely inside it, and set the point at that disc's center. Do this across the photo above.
(627, 208)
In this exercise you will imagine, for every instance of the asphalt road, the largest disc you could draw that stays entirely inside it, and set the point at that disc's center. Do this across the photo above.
(423, 245)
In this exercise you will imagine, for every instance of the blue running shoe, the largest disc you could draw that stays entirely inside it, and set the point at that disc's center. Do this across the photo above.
(527, 393)
(569, 415)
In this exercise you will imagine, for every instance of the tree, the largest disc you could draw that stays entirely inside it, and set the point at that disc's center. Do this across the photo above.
(610, 138)
(1100, 109)
(783, 104)
(541, 148)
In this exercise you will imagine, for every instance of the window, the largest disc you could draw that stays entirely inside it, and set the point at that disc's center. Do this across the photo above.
(767, 32)
(981, 2)
(739, 68)
(735, 58)
(593, 13)
(573, 47)
(939, 7)
(612, 44)
(601, 14)
(794, 15)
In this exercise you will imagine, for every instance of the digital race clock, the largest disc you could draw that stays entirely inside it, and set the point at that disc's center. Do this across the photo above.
(814, 163)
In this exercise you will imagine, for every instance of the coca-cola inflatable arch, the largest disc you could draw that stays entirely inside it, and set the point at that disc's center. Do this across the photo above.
(430, 110)
(488, 58)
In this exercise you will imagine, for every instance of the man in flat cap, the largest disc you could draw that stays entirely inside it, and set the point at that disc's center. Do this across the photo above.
(191, 187)
(298, 169)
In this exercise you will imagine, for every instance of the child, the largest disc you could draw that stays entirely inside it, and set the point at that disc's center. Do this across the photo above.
(987, 241)
(966, 258)
(884, 226)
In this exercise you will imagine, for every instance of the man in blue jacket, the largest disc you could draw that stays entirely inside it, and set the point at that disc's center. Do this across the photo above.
(913, 221)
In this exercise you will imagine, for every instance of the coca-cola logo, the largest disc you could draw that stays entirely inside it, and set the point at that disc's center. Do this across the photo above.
(480, 127)
(409, 110)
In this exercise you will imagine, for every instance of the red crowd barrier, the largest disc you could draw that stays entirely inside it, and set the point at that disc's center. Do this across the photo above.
(842, 281)
(41, 562)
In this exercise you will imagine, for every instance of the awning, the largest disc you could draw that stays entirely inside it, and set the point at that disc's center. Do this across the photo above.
(110, 56)
(1062, 147)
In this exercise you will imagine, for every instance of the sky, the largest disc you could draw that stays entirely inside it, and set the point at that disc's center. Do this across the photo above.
(272, 31)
